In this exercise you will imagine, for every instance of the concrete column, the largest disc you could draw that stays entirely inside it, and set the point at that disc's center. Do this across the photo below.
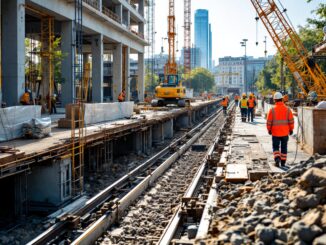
(100, 4)
(158, 133)
(141, 7)
(183, 121)
(141, 76)
(118, 11)
(126, 69)
(126, 18)
(67, 64)
(13, 55)
(168, 129)
(138, 142)
(117, 71)
(97, 68)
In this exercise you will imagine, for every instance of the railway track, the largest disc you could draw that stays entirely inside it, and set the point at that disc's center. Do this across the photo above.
(87, 224)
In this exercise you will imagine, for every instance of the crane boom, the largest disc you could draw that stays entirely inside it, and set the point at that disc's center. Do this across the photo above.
(306, 72)
(171, 66)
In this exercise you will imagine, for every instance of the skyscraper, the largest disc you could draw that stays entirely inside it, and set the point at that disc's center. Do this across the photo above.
(202, 36)
(210, 55)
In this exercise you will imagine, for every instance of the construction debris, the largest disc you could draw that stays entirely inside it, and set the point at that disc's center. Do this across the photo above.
(281, 209)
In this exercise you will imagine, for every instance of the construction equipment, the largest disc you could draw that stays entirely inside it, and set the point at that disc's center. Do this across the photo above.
(170, 90)
(306, 72)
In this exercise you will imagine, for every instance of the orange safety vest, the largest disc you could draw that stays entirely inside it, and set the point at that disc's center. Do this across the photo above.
(224, 103)
(121, 96)
(243, 103)
(280, 120)
(25, 98)
(251, 103)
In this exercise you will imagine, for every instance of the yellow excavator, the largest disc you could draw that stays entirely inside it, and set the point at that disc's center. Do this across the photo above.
(170, 90)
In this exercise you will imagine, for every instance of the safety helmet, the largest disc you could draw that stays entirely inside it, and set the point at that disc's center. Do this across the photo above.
(278, 96)
(244, 95)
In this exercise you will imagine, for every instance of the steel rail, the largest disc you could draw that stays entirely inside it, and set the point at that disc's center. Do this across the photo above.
(63, 225)
(92, 233)
(173, 225)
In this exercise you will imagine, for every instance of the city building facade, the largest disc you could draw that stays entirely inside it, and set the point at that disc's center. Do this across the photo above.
(230, 75)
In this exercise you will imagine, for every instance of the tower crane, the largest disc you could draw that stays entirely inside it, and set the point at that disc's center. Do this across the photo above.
(308, 75)
(170, 90)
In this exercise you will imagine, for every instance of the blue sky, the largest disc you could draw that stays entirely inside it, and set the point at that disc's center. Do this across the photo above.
(232, 20)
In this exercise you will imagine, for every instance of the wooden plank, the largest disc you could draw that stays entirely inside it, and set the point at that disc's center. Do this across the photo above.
(236, 172)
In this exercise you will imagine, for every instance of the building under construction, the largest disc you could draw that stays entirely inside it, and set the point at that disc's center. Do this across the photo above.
(110, 168)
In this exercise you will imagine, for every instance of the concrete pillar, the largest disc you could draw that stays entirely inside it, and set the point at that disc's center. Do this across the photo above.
(67, 64)
(126, 18)
(117, 71)
(168, 129)
(158, 133)
(141, 7)
(97, 68)
(100, 4)
(118, 11)
(141, 76)
(13, 53)
(183, 121)
(138, 142)
(126, 69)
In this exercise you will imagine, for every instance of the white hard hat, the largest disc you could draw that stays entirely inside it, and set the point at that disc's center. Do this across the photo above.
(278, 96)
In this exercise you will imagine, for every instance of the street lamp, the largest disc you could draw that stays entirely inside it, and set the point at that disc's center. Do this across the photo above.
(244, 44)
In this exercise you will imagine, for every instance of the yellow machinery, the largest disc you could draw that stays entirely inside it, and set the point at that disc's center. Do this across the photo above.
(170, 90)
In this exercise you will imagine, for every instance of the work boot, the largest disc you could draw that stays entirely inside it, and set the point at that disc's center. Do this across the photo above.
(277, 162)
(283, 163)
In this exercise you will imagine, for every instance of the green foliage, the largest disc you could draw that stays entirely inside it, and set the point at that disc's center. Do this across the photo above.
(150, 83)
(310, 35)
(200, 80)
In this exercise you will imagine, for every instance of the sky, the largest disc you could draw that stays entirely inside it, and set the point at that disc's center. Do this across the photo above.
(232, 21)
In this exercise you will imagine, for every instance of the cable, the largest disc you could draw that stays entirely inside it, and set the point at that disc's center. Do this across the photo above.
(257, 19)
(286, 14)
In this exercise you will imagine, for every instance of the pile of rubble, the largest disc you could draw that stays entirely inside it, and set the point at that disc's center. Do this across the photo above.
(285, 208)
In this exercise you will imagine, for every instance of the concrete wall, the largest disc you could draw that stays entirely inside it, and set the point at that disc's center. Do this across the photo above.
(312, 129)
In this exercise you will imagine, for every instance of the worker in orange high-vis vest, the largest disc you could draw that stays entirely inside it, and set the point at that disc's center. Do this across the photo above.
(224, 103)
(122, 96)
(280, 124)
(251, 107)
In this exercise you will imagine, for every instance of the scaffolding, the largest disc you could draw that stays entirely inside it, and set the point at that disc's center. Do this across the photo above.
(77, 110)
(150, 50)
(187, 37)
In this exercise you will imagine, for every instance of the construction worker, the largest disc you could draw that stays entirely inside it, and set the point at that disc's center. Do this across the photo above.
(227, 99)
(25, 99)
(286, 98)
(236, 99)
(251, 107)
(122, 96)
(280, 125)
(224, 104)
(244, 107)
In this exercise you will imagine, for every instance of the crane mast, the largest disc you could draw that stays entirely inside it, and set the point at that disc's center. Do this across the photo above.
(306, 72)
(187, 37)
(171, 66)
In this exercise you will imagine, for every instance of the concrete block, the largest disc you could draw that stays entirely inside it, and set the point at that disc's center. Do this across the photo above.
(168, 129)
(157, 133)
(102, 112)
(312, 130)
(13, 119)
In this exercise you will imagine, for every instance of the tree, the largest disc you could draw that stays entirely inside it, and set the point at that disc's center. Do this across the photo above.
(200, 80)
(150, 83)
(310, 35)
